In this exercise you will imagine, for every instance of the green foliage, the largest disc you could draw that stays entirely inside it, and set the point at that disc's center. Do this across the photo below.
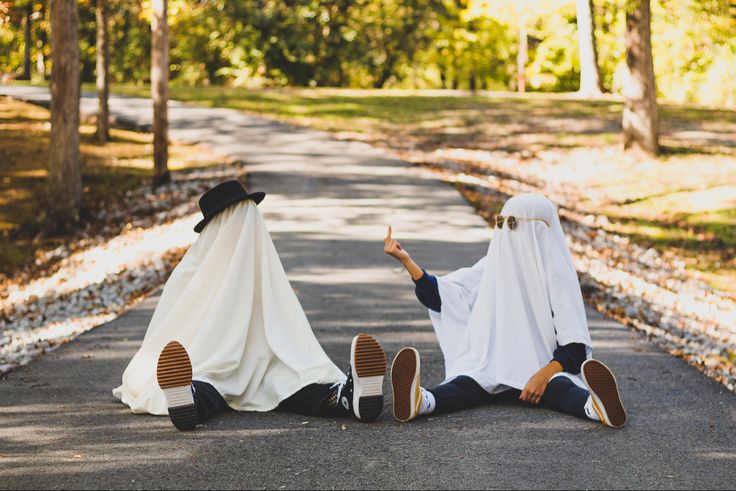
(461, 44)
(341, 42)
(12, 16)
(87, 37)
(468, 52)
(11, 38)
(208, 44)
(130, 42)
(694, 49)
(306, 42)
(554, 65)
(610, 19)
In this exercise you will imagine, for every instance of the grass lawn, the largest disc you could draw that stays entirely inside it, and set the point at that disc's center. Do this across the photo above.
(682, 203)
(109, 171)
(505, 121)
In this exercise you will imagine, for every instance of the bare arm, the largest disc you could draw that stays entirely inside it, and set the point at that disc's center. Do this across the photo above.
(393, 248)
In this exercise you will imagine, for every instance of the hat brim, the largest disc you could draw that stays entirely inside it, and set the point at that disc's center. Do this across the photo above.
(257, 197)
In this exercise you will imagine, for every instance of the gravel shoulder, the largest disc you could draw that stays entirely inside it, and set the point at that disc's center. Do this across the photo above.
(327, 205)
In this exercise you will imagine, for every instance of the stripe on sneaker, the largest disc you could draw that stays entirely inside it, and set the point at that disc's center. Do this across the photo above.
(179, 396)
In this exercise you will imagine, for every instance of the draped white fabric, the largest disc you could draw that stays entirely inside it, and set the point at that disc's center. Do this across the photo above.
(230, 304)
(496, 323)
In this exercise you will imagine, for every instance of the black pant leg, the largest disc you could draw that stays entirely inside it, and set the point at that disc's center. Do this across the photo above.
(463, 393)
(319, 400)
(562, 394)
(209, 402)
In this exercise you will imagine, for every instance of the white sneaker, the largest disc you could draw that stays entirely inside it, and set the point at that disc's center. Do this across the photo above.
(362, 394)
(604, 393)
(405, 384)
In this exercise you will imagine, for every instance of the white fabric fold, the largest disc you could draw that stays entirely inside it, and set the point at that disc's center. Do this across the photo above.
(230, 304)
(496, 323)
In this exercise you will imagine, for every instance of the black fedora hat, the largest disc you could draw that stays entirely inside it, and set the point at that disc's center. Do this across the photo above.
(220, 197)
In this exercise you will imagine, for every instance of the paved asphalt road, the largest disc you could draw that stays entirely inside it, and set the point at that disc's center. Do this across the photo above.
(327, 207)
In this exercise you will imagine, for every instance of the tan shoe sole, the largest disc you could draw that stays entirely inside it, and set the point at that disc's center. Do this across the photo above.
(604, 392)
(174, 376)
(405, 384)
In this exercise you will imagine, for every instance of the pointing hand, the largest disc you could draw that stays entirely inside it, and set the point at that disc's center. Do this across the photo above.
(393, 247)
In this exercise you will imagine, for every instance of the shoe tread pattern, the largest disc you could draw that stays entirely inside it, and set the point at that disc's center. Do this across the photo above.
(174, 368)
(370, 359)
(402, 377)
(370, 408)
(603, 383)
(184, 418)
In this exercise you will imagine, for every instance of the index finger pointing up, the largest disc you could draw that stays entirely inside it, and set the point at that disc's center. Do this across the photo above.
(390, 230)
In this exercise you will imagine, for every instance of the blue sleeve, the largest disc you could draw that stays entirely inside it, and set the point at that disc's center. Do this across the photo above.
(428, 292)
(570, 356)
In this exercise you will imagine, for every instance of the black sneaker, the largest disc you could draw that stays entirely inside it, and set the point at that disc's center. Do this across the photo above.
(362, 394)
(174, 375)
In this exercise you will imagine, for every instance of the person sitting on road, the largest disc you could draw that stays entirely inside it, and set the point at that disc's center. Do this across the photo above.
(512, 325)
(229, 332)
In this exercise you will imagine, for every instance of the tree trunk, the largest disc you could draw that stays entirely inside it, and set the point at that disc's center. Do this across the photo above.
(640, 120)
(472, 79)
(27, 41)
(454, 77)
(521, 58)
(40, 61)
(387, 69)
(160, 91)
(103, 72)
(443, 77)
(590, 77)
(65, 173)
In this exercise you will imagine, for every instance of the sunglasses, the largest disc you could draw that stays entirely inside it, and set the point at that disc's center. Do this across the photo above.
(511, 221)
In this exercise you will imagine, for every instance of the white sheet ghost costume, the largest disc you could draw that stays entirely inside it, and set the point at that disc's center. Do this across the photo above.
(229, 303)
(502, 318)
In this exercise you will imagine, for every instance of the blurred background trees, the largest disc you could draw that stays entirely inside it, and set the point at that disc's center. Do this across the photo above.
(462, 44)
(651, 51)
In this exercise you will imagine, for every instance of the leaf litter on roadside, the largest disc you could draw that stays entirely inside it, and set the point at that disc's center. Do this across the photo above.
(650, 291)
(97, 278)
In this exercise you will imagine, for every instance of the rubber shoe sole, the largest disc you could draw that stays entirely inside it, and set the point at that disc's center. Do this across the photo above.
(174, 376)
(368, 362)
(604, 392)
(405, 384)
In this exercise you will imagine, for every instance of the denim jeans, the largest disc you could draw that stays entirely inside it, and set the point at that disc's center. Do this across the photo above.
(463, 393)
